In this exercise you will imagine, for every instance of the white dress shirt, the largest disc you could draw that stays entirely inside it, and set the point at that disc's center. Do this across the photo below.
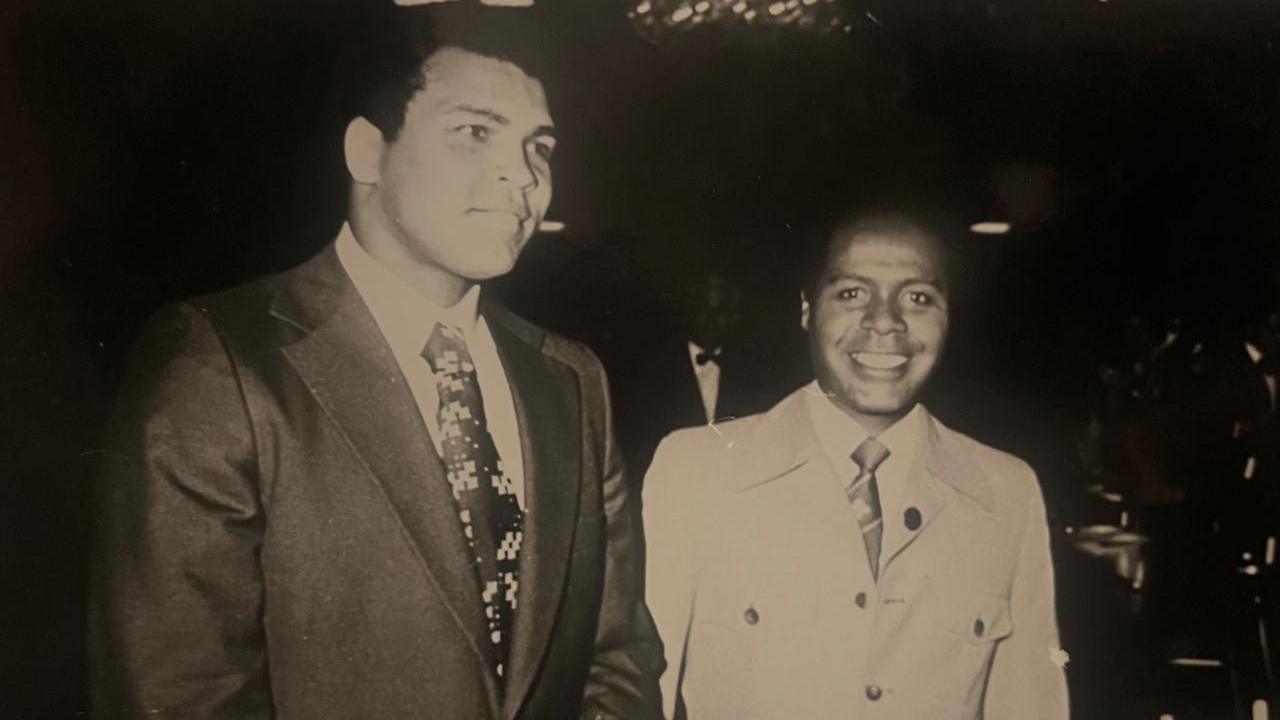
(406, 320)
(708, 375)
(839, 435)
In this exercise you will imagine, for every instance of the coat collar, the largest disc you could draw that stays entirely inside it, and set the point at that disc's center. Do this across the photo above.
(352, 373)
(785, 440)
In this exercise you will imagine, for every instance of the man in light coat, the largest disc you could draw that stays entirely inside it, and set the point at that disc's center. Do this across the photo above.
(845, 555)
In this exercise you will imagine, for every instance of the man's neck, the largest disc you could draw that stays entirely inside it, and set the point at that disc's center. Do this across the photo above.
(874, 424)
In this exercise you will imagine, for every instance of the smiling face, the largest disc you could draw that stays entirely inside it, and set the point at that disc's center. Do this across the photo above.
(463, 185)
(877, 321)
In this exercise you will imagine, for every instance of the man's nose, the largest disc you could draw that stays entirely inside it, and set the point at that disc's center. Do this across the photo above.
(514, 168)
(884, 318)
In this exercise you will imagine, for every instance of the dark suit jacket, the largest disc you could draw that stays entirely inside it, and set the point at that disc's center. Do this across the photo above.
(276, 537)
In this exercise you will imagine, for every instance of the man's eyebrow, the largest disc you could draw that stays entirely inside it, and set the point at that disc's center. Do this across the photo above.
(838, 277)
(500, 119)
(493, 115)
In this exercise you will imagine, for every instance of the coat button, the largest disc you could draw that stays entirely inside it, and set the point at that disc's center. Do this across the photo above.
(873, 692)
(979, 627)
(911, 518)
(860, 599)
(751, 616)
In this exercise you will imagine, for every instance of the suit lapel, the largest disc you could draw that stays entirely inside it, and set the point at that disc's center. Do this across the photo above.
(350, 370)
(938, 468)
(547, 408)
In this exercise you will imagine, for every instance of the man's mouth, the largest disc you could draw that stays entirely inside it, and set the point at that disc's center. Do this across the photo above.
(521, 216)
(879, 361)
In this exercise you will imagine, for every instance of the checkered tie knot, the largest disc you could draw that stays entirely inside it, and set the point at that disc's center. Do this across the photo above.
(492, 522)
(864, 496)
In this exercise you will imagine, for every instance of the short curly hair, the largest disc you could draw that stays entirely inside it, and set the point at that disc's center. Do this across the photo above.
(382, 65)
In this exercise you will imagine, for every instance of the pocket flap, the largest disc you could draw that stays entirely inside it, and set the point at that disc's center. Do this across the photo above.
(977, 618)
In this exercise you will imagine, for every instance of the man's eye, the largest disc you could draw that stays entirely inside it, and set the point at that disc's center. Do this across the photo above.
(916, 297)
(544, 149)
(856, 293)
(477, 132)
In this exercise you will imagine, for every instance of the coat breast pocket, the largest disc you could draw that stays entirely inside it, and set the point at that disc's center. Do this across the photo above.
(979, 618)
(748, 646)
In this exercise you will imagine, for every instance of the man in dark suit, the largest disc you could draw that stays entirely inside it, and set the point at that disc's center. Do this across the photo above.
(360, 488)
(709, 370)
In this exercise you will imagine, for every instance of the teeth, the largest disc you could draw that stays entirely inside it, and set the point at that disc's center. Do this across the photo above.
(880, 361)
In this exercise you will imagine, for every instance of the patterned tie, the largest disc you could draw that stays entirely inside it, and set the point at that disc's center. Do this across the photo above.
(491, 517)
(865, 498)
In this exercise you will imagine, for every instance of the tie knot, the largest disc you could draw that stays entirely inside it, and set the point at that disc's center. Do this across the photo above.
(446, 350)
(870, 454)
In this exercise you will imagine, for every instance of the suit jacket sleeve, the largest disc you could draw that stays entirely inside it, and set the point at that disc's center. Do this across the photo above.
(670, 566)
(628, 655)
(1027, 678)
(177, 585)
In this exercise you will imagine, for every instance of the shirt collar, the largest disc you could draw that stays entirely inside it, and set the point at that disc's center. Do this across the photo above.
(839, 435)
(404, 315)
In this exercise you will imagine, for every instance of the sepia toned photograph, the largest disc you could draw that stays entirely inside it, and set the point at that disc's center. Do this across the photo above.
(640, 360)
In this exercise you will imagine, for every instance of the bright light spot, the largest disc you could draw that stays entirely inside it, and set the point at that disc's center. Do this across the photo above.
(684, 13)
(550, 226)
(777, 9)
(749, 15)
(809, 2)
(643, 7)
(990, 227)
(702, 6)
(739, 7)
(1059, 657)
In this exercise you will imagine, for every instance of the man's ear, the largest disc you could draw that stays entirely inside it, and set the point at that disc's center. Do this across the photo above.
(362, 147)
(804, 312)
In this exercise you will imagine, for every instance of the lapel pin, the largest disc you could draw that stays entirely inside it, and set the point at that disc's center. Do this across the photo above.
(911, 518)
(751, 616)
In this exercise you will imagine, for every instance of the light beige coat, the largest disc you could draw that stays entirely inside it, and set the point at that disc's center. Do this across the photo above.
(756, 570)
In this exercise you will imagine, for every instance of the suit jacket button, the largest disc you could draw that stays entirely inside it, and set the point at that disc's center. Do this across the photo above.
(860, 599)
(751, 616)
(979, 627)
(911, 518)
(873, 692)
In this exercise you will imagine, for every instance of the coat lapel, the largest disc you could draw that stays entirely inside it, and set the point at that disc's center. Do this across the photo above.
(547, 404)
(939, 467)
(350, 370)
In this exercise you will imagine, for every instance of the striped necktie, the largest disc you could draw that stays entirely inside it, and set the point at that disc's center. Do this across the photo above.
(864, 496)
(491, 517)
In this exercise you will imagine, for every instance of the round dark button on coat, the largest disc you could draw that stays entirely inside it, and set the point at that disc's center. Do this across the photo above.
(873, 692)
(751, 616)
(979, 627)
(911, 518)
(860, 599)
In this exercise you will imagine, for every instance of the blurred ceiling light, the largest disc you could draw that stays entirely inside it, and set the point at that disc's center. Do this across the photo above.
(550, 226)
(661, 20)
(990, 227)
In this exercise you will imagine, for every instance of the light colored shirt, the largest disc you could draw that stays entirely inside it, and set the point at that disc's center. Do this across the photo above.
(708, 375)
(407, 319)
(839, 435)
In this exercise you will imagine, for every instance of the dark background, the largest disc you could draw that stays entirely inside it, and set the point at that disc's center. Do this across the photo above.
(151, 150)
